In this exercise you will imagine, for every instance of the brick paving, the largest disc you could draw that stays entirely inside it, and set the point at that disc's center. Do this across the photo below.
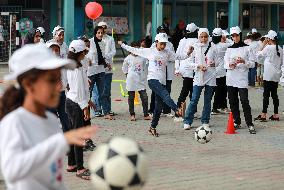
(177, 161)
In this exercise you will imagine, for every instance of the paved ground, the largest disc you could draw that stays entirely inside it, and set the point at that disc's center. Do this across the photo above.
(177, 161)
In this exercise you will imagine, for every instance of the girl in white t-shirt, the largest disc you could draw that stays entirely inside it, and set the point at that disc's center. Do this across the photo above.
(158, 59)
(272, 55)
(32, 145)
(135, 69)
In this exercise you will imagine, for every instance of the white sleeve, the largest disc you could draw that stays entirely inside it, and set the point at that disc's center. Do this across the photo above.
(17, 162)
(249, 58)
(171, 56)
(261, 55)
(142, 52)
(180, 51)
(79, 86)
(125, 65)
(190, 61)
(64, 78)
(177, 64)
(112, 52)
(227, 59)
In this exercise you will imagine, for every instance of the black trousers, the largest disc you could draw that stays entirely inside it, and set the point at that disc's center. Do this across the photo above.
(76, 116)
(144, 100)
(187, 86)
(220, 97)
(233, 94)
(166, 109)
(270, 87)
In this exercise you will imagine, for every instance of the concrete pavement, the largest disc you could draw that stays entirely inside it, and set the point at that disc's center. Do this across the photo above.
(178, 162)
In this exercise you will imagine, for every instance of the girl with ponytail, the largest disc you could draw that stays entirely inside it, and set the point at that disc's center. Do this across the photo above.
(272, 56)
(31, 140)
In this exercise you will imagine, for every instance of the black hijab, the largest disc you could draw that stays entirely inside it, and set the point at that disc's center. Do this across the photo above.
(239, 44)
(101, 59)
(30, 36)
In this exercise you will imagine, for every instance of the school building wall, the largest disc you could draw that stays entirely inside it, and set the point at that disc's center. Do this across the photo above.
(263, 15)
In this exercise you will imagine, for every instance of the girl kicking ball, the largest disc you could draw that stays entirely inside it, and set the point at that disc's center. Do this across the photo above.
(158, 60)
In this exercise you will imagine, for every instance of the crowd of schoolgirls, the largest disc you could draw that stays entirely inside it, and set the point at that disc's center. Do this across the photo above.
(222, 64)
(73, 82)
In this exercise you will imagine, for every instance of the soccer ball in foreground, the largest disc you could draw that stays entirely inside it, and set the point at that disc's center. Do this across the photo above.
(203, 134)
(119, 164)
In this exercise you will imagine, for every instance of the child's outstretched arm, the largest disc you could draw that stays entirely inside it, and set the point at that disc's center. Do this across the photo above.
(142, 52)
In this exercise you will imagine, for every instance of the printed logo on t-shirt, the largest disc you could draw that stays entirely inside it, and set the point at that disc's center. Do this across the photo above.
(56, 169)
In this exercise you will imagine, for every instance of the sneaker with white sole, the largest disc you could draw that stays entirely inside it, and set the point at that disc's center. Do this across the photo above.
(237, 126)
(186, 127)
(178, 119)
(252, 130)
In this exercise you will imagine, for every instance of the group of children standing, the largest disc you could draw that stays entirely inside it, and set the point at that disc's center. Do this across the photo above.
(220, 65)
(69, 81)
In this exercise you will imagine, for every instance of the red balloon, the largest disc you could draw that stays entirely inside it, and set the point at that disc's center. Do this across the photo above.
(93, 10)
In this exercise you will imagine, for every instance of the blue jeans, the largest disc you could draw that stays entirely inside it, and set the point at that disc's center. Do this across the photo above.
(161, 96)
(191, 109)
(107, 90)
(251, 76)
(99, 80)
(95, 95)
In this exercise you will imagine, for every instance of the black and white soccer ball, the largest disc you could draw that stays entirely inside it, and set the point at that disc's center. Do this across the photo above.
(203, 134)
(119, 164)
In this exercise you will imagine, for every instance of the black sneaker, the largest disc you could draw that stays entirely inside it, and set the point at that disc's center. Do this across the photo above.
(237, 126)
(252, 130)
(89, 145)
(98, 114)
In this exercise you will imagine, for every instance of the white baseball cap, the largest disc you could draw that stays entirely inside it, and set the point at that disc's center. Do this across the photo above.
(77, 46)
(235, 30)
(51, 43)
(225, 33)
(41, 30)
(201, 30)
(271, 35)
(162, 37)
(253, 30)
(191, 27)
(35, 56)
(102, 24)
(217, 32)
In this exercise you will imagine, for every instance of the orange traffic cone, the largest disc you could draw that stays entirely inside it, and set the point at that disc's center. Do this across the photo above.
(230, 128)
(136, 99)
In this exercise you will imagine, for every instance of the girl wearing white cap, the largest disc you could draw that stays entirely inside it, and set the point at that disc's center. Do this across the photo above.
(32, 145)
(216, 55)
(237, 62)
(77, 105)
(185, 47)
(135, 69)
(158, 60)
(169, 76)
(205, 77)
(272, 54)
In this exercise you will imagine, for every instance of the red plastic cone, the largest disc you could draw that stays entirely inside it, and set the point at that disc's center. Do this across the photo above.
(230, 128)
